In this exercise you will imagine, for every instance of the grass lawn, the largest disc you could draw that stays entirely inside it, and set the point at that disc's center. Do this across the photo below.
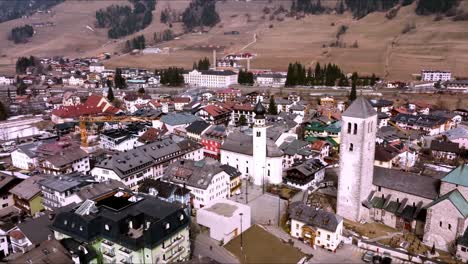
(370, 230)
(263, 247)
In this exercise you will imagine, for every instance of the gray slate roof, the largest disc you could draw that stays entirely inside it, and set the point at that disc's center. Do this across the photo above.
(407, 182)
(315, 218)
(241, 143)
(175, 119)
(360, 108)
(198, 174)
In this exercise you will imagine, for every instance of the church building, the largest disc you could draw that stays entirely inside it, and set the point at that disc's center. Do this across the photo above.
(433, 207)
(255, 156)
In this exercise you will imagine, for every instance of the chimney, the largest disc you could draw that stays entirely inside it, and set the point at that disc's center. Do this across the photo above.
(214, 59)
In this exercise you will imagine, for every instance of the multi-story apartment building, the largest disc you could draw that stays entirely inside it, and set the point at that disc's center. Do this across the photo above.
(210, 78)
(212, 140)
(128, 228)
(148, 161)
(206, 180)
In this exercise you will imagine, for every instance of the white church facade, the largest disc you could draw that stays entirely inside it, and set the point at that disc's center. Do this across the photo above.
(434, 208)
(255, 156)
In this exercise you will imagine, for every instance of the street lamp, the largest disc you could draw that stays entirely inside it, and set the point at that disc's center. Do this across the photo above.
(241, 242)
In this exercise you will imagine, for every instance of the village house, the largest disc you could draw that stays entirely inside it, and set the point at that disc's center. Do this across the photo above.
(270, 79)
(228, 94)
(429, 124)
(317, 228)
(27, 195)
(305, 174)
(212, 140)
(206, 180)
(180, 102)
(196, 130)
(445, 150)
(214, 114)
(168, 192)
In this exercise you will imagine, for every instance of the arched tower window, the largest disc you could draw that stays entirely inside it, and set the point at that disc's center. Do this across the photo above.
(259, 133)
(351, 147)
(349, 128)
(355, 129)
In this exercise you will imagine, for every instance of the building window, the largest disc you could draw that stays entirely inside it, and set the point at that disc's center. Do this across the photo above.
(463, 249)
(268, 172)
(449, 226)
(107, 227)
(440, 223)
(351, 147)
(258, 133)
(328, 237)
(246, 169)
(349, 128)
(380, 189)
(355, 129)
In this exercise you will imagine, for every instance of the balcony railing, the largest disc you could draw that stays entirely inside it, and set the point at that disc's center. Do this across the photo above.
(174, 243)
(109, 254)
(125, 252)
(175, 255)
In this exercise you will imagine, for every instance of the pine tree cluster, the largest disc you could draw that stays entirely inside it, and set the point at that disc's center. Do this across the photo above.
(21, 34)
(202, 65)
(119, 80)
(245, 77)
(23, 63)
(12, 9)
(200, 13)
(171, 76)
(123, 20)
(138, 42)
(360, 8)
(328, 75)
(428, 7)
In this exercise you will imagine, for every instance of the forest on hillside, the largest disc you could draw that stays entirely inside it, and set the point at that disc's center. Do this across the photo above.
(200, 13)
(123, 20)
(13, 9)
(361, 8)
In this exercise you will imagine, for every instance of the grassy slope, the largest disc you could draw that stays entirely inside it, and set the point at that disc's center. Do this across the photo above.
(382, 47)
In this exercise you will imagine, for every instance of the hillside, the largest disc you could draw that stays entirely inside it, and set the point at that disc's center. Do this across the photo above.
(382, 47)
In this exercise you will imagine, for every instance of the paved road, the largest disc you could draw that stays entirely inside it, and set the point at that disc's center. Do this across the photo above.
(218, 253)
(346, 254)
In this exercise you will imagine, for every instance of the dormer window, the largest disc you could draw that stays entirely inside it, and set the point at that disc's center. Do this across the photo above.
(181, 217)
(107, 227)
(167, 226)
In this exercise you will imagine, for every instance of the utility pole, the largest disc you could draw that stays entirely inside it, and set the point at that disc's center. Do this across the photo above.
(241, 241)
(279, 210)
(246, 192)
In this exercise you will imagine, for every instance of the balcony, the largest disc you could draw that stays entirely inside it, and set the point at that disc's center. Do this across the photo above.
(175, 255)
(107, 245)
(125, 252)
(174, 243)
(109, 256)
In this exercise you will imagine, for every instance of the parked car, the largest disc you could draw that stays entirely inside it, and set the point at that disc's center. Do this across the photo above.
(367, 257)
(376, 260)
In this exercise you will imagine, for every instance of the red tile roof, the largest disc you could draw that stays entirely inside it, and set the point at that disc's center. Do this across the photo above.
(214, 110)
(181, 100)
(318, 145)
(94, 105)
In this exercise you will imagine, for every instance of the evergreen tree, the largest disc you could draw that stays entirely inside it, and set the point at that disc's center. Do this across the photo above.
(3, 112)
(21, 88)
(353, 93)
(119, 80)
(110, 94)
(373, 80)
(242, 120)
(109, 83)
(272, 107)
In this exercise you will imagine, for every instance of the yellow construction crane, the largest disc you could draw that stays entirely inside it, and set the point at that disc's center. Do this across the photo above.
(107, 118)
